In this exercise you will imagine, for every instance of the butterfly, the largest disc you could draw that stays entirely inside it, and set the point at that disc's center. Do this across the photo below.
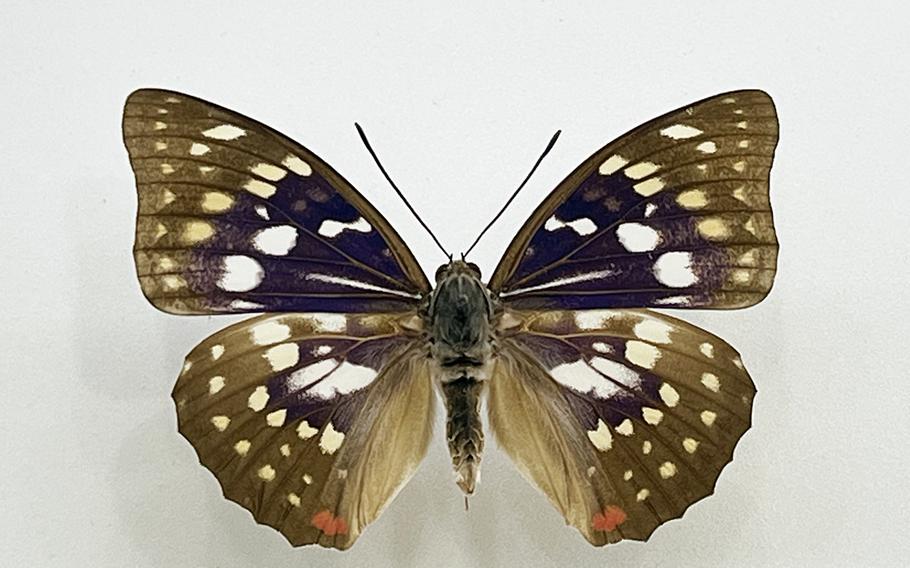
(313, 414)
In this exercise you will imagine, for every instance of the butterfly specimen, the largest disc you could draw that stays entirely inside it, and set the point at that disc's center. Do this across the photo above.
(313, 414)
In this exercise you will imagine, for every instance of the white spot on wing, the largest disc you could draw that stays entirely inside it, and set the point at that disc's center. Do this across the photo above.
(669, 395)
(583, 226)
(602, 438)
(674, 269)
(216, 384)
(636, 237)
(331, 228)
(641, 170)
(221, 422)
(305, 431)
(585, 277)
(260, 188)
(197, 149)
(328, 278)
(277, 241)
(258, 399)
(708, 147)
(594, 319)
(270, 172)
(276, 419)
(240, 273)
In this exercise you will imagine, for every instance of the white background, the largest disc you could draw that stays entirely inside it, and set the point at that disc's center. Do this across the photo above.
(458, 102)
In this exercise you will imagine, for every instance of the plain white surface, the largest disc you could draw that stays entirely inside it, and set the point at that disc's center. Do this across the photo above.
(458, 102)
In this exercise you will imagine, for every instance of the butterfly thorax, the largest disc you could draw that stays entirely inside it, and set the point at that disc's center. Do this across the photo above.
(459, 317)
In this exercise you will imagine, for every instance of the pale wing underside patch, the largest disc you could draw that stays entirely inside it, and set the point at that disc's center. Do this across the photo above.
(234, 216)
(676, 214)
(316, 462)
(632, 443)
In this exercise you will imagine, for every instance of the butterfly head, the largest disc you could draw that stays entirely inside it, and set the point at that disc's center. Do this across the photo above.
(456, 267)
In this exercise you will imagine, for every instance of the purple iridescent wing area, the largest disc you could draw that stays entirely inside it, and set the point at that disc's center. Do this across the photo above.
(633, 414)
(312, 422)
(675, 213)
(235, 217)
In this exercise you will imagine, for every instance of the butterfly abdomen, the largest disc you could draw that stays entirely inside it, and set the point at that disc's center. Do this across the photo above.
(464, 430)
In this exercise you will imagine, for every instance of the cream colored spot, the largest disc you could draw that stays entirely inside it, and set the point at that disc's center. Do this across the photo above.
(162, 111)
(708, 147)
(738, 362)
(743, 144)
(270, 172)
(642, 354)
(160, 125)
(646, 447)
(276, 240)
(651, 415)
(642, 495)
(742, 125)
(242, 447)
(307, 478)
(186, 367)
(283, 356)
(627, 475)
(740, 166)
(221, 422)
(224, 132)
(713, 228)
(601, 437)
(728, 100)
(625, 428)
(172, 100)
(217, 351)
(690, 445)
(166, 263)
(297, 165)
(167, 169)
(305, 431)
(601, 347)
(750, 226)
(258, 399)
(708, 417)
(172, 282)
(330, 440)
(276, 419)
(667, 469)
(641, 170)
(653, 330)
(285, 450)
(197, 231)
(741, 276)
(648, 187)
(269, 332)
(703, 168)
(294, 499)
(216, 384)
(266, 473)
(159, 146)
(167, 197)
(738, 111)
(740, 194)
(591, 471)
(197, 149)
(680, 131)
(612, 164)
(692, 199)
(260, 188)
(216, 202)
(669, 395)
(707, 350)
(711, 382)
(206, 169)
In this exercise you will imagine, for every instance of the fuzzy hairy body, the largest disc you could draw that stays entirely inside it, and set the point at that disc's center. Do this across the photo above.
(460, 321)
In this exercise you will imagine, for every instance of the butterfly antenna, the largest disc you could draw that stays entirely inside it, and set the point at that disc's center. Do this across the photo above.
(515, 193)
(366, 143)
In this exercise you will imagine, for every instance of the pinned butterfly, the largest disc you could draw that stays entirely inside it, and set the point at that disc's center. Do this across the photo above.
(314, 414)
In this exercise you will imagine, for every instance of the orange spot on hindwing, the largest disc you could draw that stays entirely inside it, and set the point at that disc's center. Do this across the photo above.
(611, 518)
(329, 524)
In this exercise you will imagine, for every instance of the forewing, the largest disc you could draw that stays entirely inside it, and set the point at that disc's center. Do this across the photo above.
(674, 213)
(311, 422)
(622, 418)
(235, 217)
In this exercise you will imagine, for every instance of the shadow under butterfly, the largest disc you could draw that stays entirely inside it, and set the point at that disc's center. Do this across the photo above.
(314, 414)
